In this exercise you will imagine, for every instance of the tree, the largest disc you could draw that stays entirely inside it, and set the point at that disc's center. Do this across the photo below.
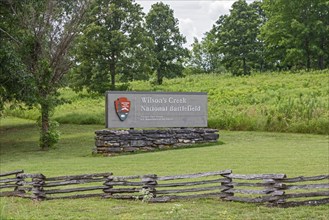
(114, 41)
(296, 32)
(163, 29)
(261, 61)
(211, 44)
(41, 41)
(14, 81)
(197, 62)
(237, 38)
(203, 57)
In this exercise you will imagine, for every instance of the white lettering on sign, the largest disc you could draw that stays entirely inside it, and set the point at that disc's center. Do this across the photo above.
(153, 108)
(175, 107)
(185, 108)
(177, 100)
(171, 100)
(151, 100)
(188, 108)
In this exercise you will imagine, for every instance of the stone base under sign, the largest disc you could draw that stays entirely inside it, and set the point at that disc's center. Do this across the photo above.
(115, 142)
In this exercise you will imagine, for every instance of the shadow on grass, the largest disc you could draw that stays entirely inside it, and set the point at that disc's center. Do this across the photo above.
(19, 137)
(9, 146)
(17, 127)
(187, 147)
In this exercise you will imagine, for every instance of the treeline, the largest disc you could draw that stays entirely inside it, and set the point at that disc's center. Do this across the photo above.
(93, 44)
(265, 36)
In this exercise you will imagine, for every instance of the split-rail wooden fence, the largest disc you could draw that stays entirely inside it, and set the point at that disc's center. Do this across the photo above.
(275, 190)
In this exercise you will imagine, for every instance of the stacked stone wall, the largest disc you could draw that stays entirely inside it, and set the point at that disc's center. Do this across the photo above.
(115, 142)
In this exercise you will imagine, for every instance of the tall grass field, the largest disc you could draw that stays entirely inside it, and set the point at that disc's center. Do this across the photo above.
(281, 102)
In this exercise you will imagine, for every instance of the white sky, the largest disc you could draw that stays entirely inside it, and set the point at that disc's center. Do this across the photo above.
(196, 17)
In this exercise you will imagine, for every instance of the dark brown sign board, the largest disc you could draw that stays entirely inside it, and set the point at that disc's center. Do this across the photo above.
(155, 109)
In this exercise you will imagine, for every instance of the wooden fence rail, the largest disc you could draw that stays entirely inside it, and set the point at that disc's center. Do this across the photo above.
(271, 189)
(277, 190)
(9, 183)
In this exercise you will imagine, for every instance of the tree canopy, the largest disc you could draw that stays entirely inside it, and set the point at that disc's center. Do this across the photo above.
(163, 28)
(39, 34)
(235, 38)
(15, 82)
(268, 35)
(113, 42)
(297, 32)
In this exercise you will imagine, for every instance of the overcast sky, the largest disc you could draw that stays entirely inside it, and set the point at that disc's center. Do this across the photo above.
(195, 16)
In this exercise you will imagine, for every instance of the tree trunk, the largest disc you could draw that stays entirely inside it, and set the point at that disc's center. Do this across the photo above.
(44, 141)
(308, 54)
(112, 72)
(159, 77)
(244, 66)
(321, 62)
(321, 57)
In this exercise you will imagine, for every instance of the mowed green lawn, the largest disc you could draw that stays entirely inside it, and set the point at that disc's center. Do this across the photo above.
(243, 152)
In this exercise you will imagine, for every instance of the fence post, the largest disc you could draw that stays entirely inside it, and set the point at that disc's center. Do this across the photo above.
(109, 183)
(20, 183)
(150, 183)
(226, 186)
(278, 188)
(38, 181)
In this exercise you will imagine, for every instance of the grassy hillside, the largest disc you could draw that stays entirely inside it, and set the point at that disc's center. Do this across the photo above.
(284, 102)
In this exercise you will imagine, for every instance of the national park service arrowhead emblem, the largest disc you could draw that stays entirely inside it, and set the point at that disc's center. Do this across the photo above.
(122, 107)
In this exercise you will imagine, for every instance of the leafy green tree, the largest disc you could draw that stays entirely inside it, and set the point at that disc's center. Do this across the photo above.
(169, 51)
(197, 62)
(113, 42)
(261, 62)
(204, 58)
(39, 41)
(297, 32)
(214, 56)
(211, 44)
(237, 38)
(14, 81)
